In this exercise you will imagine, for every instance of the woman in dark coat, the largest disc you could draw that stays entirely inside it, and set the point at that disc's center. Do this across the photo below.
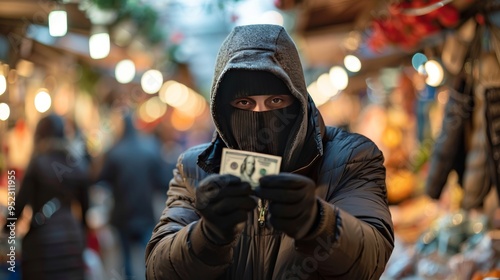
(53, 182)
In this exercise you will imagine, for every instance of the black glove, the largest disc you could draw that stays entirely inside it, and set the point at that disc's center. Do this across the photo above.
(223, 202)
(293, 206)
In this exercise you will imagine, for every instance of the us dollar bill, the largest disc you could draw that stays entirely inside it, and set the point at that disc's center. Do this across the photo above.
(249, 166)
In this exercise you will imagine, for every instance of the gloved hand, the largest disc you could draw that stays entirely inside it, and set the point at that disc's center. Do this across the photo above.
(293, 205)
(223, 202)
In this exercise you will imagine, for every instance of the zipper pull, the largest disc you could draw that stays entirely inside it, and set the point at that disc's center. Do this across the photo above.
(262, 214)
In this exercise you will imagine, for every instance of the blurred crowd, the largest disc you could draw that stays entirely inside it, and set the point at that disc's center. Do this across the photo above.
(93, 214)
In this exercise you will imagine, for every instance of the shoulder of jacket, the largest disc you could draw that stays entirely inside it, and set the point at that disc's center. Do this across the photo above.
(352, 146)
(195, 151)
(187, 162)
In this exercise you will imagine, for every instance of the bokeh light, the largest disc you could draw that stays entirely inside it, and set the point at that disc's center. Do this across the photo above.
(352, 63)
(325, 86)
(195, 104)
(42, 101)
(418, 60)
(339, 77)
(151, 81)
(318, 98)
(4, 111)
(58, 23)
(125, 71)
(152, 109)
(99, 45)
(182, 121)
(435, 73)
(3, 84)
(271, 17)
(173, 93)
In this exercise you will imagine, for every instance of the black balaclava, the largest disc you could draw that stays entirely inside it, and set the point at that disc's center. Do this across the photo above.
(268, 132)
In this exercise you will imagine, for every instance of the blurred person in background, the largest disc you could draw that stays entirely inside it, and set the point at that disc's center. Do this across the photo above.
(326, 212)
(135, 171)
(55, 186)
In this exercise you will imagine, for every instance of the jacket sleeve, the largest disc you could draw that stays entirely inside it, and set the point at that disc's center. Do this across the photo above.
(178, 249)
(354, 237)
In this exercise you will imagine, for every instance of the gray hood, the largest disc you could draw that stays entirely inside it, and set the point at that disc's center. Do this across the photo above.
(267, 48)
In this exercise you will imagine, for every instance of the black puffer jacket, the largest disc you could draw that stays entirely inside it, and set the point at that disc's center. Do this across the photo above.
(354, 238)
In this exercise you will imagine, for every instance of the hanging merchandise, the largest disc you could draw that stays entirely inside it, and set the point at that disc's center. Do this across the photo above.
(449, 147)
(469, 140)
(468, 144)
(466, 154)
(456, 46)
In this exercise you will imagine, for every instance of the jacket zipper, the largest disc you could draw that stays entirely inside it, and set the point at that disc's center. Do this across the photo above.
(262, 209)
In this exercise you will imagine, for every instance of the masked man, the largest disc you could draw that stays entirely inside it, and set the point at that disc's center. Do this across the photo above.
(325, 215)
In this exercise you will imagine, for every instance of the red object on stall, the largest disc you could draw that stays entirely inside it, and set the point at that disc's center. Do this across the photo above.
(405, 28)
(93, 241)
